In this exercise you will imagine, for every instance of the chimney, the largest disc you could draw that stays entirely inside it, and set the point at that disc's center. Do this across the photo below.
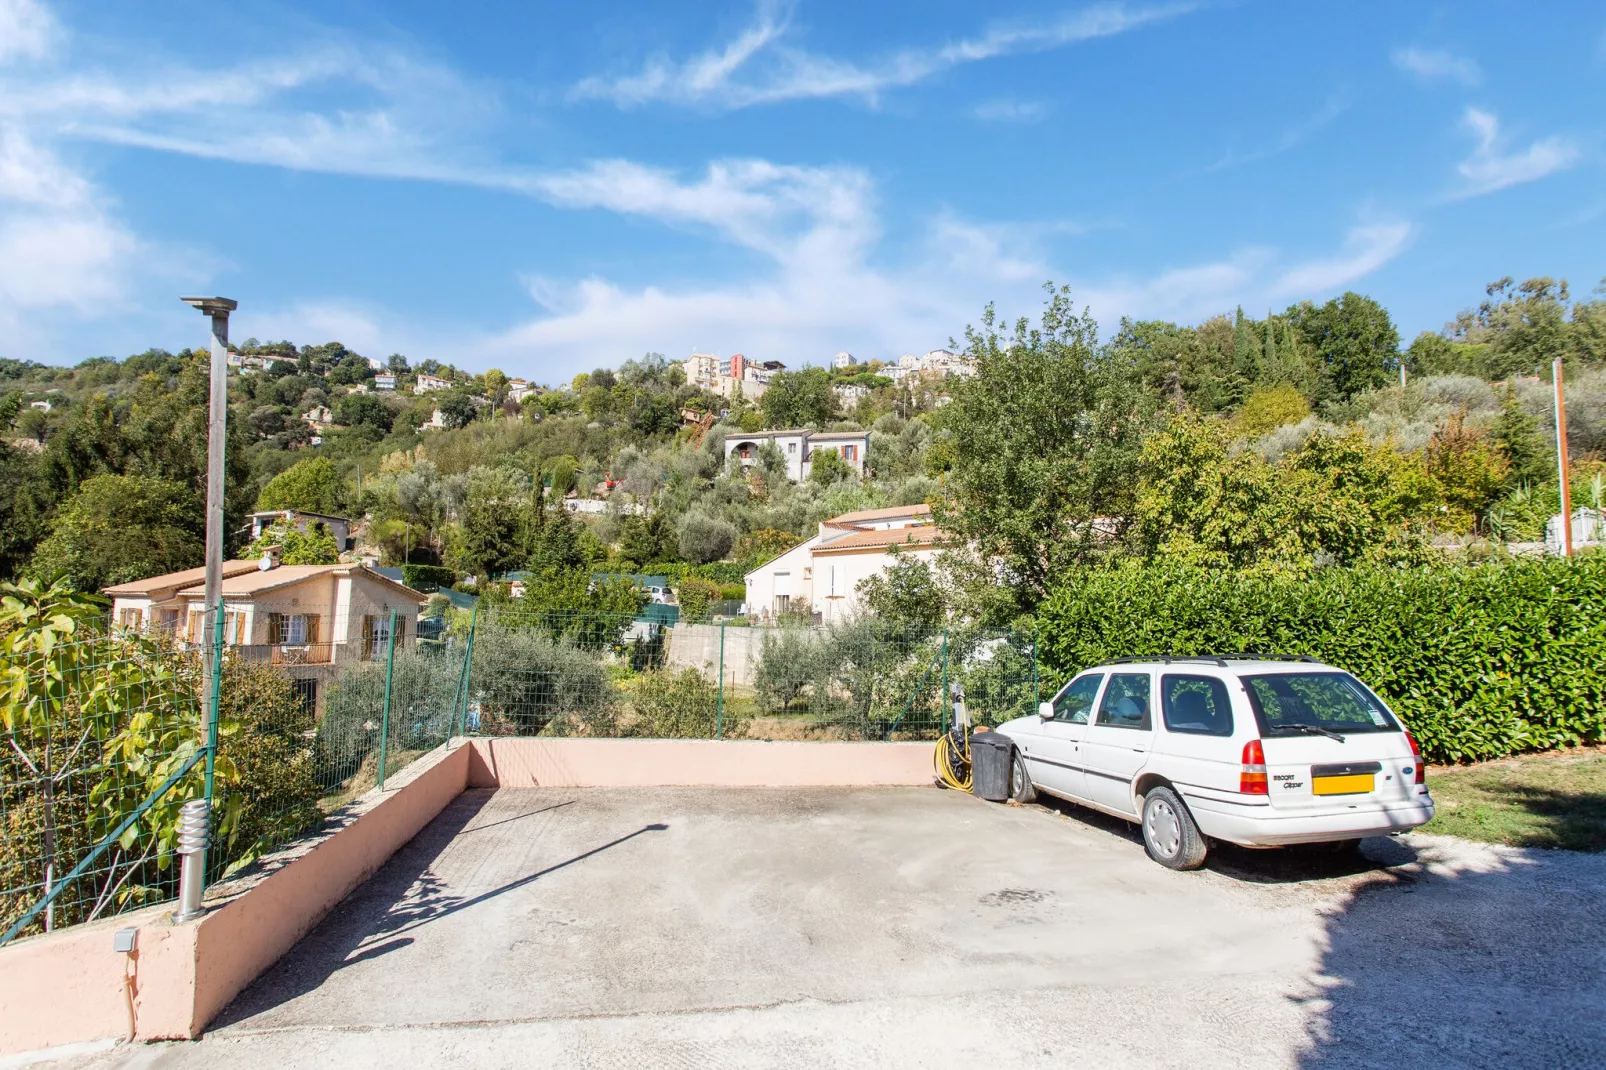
(269, 559)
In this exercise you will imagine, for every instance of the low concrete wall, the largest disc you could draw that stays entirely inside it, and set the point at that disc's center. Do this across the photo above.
(69, 987)
(696, 646)
(639, 763)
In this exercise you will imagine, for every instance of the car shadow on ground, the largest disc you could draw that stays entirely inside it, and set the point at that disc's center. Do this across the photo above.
(1283, 865)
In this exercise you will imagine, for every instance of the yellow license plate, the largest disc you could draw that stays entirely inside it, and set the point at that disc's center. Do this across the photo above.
(1354, 784)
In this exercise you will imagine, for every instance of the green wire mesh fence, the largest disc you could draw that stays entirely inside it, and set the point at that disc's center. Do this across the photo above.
(92, 727)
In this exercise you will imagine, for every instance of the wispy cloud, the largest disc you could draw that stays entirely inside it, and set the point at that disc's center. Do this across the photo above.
(27, 29)
(1289, 138)
(1011, 111)
(1489, 168)
(1437, 65)
(758, 67)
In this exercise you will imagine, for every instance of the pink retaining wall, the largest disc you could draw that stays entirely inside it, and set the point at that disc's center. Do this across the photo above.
(510, 762)
(69, 987)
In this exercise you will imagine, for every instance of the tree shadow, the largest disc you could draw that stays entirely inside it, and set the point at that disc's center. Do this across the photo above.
(1570, 820)
(404, 895)
(1465, 956)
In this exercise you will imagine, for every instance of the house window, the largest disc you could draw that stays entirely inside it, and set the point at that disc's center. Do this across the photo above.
(128, 618)
(307, 695)
(292, 629)
(783, 603)
(791, 447)
(234, 626)
(196, 629)
(850, 453)
(376, 635)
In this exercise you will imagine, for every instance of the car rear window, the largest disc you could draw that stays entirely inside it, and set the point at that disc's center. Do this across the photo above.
(1335, 701)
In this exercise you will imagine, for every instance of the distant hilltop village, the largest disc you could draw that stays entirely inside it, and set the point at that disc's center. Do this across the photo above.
(724, 377)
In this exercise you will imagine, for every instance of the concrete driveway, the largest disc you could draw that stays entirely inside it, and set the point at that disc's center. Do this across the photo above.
(916, 927)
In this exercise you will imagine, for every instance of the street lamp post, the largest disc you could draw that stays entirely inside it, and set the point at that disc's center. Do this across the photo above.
(218, 308)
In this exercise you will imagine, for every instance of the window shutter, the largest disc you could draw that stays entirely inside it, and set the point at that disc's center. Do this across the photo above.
(275, 628)
(312, 628)
(367, 636)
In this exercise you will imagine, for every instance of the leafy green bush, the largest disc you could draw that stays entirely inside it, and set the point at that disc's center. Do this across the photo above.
(789, 662)
(1480, 662)
(427, 578)
(695, 594)
(683, 705)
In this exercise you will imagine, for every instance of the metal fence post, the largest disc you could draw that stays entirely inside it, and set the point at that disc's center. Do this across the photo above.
(213, 699)
(1037, 696)
(944, 699)
(458, 701)
(719, 715)
(384, 724)
(468, 662)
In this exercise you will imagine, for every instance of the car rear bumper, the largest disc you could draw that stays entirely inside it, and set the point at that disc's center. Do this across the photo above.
(1266, 827)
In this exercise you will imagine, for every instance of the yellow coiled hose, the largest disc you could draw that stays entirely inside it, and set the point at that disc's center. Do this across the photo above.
(952, 760)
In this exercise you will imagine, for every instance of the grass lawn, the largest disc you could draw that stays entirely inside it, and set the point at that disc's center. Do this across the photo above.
(1538, 800)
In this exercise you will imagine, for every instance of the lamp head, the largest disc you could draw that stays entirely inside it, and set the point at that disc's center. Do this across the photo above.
(212, 306)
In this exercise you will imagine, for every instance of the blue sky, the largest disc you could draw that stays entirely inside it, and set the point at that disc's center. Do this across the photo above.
(552, 187)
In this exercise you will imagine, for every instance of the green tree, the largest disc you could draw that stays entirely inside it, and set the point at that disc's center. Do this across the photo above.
(648, 539)
(457, 408)
(799, 399)
(315, 546)
(1528, 453)
(122, 528)
(704, 538)
(765, 544)
(1355, 343)
(489, 542)
(312, 486)
(555, 542)
(1045, 447)
(363, 410)
(1269, 408)
(906, 598)
(827, 467)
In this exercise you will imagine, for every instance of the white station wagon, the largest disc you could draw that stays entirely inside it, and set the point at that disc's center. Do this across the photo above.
(1256, 751)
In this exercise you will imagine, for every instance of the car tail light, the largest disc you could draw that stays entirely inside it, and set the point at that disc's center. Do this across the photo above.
(1252, 778)
(1416, 752)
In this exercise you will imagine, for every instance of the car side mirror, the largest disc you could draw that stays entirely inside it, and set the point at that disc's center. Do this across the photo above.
(1045, 710)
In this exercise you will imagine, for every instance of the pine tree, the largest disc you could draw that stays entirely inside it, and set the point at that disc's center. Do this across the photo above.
(1526, 448)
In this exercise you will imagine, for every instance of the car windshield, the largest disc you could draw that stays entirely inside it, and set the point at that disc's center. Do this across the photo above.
(1314, 702)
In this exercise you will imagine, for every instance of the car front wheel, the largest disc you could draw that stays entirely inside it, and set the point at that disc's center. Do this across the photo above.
(1169, 834)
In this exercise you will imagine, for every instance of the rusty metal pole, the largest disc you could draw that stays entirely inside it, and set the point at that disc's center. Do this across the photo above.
(1561, 462)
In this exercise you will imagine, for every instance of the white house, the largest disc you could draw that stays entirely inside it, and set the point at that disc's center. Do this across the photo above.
(821, 576)
(797, 448)
(426, 383)
(385, 382)
(845, 360)
(318, 416)
(847, 393)
(339, 527)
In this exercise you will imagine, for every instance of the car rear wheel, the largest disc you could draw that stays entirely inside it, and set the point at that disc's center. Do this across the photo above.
(1169, 834)
(1020, 781)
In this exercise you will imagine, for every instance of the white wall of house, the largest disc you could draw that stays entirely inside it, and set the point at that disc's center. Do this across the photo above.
(793, 447)
(836, 577)
(786, 576)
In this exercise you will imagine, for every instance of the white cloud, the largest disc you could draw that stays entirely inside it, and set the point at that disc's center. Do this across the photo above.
(715, 77)
(1011, 111)
(26, 29)
(1489, 169)
(1434, 66)
(1366, 248)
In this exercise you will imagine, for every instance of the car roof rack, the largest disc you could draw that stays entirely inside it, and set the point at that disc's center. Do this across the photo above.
(1167, 659)
(1253, 656)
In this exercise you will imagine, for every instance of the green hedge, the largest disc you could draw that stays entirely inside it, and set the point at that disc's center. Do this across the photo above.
(427, 578)
(1480, 661)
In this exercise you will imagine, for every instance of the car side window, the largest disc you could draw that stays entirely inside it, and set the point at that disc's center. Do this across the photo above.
(1197, 705)
(1075, 703)
(1126, 701)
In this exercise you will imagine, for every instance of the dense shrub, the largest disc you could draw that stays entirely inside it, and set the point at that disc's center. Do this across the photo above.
(427, 578)
(695, 594)
(1479, 661)
(683, 705)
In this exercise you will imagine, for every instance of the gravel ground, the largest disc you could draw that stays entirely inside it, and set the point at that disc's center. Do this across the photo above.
(915, 927)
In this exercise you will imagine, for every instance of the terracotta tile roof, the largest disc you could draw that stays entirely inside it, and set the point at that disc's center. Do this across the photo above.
(256, 581)
(921, 535)
(170, 580)
(865, 516)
